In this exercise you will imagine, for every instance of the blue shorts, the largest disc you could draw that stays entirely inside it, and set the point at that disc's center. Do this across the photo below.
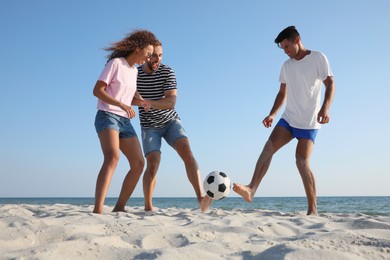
(107, 120)
(297, 132)
(151, 137)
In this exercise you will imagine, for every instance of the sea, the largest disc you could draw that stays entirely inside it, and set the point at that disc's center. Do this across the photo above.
(371, 205)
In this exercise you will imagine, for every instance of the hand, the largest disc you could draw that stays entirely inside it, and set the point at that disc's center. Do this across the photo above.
(323, 117)
(128, 109)
(267, 122)
(146, 104)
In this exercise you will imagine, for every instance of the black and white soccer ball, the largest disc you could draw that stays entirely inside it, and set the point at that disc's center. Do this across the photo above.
(217, 185)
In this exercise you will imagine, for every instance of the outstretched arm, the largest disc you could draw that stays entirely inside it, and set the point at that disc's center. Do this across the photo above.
(140, 102)
(167, 102)
(279, 101)
(323, 115)
(137, 99)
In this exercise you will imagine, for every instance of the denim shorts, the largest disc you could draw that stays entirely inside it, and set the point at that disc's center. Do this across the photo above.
(297, 132)
(151, 137)
(107, 120)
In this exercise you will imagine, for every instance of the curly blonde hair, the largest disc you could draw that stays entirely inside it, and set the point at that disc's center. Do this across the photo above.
(136, 39)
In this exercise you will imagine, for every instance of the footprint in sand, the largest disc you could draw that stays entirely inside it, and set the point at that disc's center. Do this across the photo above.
(164, 241)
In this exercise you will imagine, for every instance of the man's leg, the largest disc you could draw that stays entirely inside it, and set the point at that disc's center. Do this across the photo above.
(303, 154)
(279, 137)
(149, 179)
(182, 146)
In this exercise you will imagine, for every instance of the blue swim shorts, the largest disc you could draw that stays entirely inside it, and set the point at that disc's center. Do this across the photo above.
(107, 120)
(151, 137)
(297, 132)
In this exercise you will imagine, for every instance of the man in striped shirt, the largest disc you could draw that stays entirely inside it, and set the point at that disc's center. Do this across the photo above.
(156, 83)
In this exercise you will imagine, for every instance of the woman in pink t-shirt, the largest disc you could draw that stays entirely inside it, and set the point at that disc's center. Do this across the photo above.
(115, 90)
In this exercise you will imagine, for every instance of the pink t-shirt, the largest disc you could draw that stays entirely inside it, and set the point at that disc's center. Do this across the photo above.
(121, 80)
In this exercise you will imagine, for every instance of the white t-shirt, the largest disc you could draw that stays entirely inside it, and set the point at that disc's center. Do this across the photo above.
(121, 80)
(303, 79)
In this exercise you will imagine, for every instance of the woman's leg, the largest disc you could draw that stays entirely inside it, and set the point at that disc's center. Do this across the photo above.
(109, 141)
(131, 148)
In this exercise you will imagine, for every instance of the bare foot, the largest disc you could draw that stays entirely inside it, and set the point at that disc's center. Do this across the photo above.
(313, 213)
(205, 203)
(97, 210)
(244, 191)
(117, 209)
(148, 208)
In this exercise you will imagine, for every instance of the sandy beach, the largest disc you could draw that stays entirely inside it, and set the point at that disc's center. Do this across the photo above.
(62, 231)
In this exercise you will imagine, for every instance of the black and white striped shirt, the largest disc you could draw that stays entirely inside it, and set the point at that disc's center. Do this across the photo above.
(153, 87)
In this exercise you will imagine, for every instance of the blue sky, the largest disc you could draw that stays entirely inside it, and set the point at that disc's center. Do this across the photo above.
(227, 68)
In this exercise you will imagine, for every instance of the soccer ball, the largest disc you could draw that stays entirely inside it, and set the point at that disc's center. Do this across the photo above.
(217, 185)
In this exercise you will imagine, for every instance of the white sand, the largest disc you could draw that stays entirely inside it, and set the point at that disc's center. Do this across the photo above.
(72, 232)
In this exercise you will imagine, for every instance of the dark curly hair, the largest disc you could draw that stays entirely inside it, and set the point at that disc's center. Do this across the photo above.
(136, 39)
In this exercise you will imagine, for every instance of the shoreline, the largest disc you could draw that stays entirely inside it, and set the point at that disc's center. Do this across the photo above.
(371, 205)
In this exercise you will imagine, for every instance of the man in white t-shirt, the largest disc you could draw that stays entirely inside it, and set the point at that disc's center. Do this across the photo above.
(301, 79)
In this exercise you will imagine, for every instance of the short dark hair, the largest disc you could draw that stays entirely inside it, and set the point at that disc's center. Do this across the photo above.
(290, 33)
(157, 43)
